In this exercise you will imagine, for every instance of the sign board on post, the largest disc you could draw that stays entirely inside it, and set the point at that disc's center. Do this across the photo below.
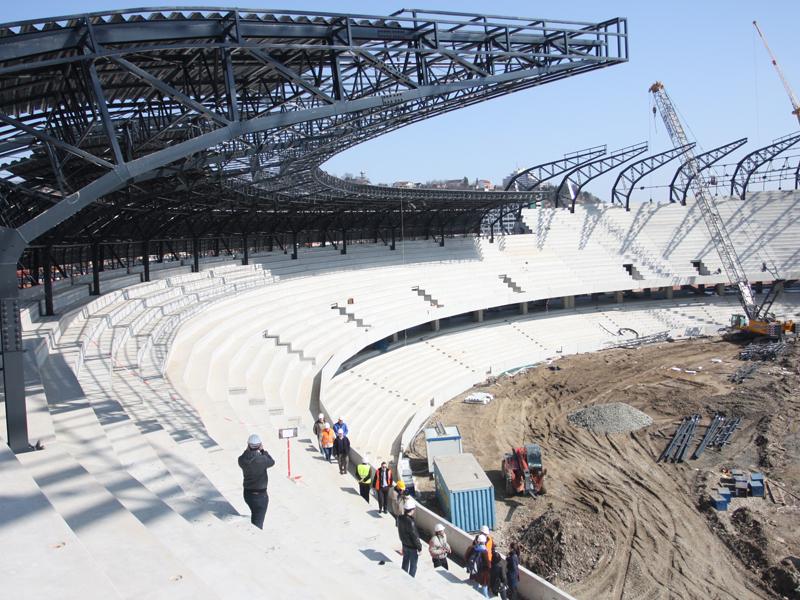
(287, 433)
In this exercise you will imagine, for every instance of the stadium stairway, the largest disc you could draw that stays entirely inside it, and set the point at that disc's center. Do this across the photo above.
(151, 502)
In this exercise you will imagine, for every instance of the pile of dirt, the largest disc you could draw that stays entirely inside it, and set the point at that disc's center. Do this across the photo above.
(610, 418)
(560, 546)
(647, 530)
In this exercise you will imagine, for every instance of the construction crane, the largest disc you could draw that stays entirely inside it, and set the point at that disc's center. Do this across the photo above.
(786, 86)
(757, 318)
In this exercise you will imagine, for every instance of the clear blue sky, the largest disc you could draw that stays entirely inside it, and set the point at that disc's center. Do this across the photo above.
(705, 51)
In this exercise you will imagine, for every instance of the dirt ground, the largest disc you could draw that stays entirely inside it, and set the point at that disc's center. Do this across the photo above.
(614, 523)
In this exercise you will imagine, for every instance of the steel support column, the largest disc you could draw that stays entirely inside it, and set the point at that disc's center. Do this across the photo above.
(245, 251)
(11, 333)
(95, 269)
(48, 281)
(344, 242)
(294, 245)
(146, 259)
(195, 255)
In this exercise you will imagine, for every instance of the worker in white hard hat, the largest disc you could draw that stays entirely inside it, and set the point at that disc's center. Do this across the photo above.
(489, 542)
(254, 463)
(409, 537)
(319, 424)
(326, 439)
(477, 563)
(438, 547)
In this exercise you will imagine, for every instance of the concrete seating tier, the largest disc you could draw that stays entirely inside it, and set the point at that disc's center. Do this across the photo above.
(137, 493)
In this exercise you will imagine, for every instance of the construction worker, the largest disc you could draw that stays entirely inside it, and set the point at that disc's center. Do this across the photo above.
(341, 425)
(365, 473)
(326, 439)
(409, 537)
(319, 425)
(396, 499)
(254, 463)
(341, 447)
(382, 484)
(498, 581)
(478, 564)
(512, 571)
(489, 542)
(438, 547)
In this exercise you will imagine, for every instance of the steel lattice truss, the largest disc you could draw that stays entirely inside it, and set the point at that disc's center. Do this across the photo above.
(753, 161)
(141, 124)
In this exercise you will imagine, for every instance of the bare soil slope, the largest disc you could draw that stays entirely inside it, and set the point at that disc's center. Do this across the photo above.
(614, 523)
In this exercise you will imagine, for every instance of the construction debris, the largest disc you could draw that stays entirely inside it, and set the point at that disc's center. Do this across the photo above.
(763, 352)
(644, 340)
(615, 417)
(742, 373)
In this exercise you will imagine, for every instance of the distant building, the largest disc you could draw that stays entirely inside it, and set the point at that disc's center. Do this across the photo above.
(454, 184)
(404, 184)
(483, 184)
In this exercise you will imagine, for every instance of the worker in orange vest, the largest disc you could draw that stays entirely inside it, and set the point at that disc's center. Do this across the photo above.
(382, 484)
(327, 438)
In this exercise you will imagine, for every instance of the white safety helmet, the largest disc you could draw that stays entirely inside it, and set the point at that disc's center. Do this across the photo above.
(254, 441)
(320, 416)
(481, 539)
(326, 426)
(439, 527)
(485, 530)
(409, 504)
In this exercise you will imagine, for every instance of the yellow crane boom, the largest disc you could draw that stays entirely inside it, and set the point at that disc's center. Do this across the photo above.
(786, 86)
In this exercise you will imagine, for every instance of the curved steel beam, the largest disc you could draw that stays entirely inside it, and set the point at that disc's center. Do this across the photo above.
(632, 174)
(753, 161)
(573, 182)
(543, 172)
(678, 191)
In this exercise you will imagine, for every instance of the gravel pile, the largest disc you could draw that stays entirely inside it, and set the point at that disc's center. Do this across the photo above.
(610, 418)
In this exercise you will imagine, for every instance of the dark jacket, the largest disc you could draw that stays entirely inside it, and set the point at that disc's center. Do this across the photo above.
(409, 536)
(512, 570)
(341, 445)
(254, 464)
(497, 575)
(376, 483)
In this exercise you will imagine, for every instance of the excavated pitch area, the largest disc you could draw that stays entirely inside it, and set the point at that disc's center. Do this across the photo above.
(613, 523)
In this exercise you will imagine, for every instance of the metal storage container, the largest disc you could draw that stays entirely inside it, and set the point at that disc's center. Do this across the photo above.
(464, 491)
(441, 441)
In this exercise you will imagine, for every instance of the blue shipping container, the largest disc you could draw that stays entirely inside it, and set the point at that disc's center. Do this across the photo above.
(464, 491)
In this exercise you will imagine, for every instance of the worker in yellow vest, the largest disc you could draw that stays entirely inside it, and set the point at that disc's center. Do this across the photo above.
(365, 473)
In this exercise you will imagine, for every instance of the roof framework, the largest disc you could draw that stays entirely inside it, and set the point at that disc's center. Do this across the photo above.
(142, 124)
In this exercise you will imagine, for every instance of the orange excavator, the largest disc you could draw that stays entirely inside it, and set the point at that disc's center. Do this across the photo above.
(523, 471)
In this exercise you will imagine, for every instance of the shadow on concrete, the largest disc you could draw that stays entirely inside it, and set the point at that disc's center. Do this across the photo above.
(375, 556)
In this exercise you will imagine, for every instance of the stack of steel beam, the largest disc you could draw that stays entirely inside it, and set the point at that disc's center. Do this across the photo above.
(716, 422)
(724, 433)
(679, 444)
